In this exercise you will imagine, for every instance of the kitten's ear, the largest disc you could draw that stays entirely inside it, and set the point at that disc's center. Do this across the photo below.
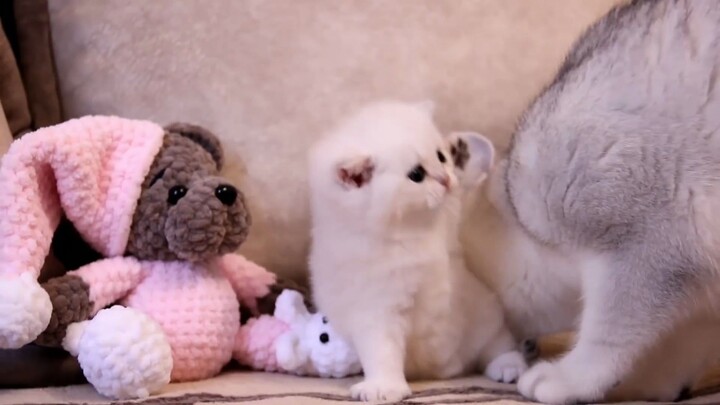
(426, 105)
(473, 154)
(355, 172)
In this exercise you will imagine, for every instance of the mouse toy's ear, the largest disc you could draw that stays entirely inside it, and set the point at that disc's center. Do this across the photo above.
(355, 172)
(473, 156)
(290, 307)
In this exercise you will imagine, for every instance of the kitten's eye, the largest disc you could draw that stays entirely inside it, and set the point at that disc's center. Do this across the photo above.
(417, 174)
(175, 194)
(441, 157)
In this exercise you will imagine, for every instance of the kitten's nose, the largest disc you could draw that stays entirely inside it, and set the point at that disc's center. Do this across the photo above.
(444, 180)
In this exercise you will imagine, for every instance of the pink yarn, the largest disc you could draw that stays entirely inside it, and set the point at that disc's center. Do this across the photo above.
(255, 344)
(247, 278)
(111, 279)
(196, 306)
(92, 168)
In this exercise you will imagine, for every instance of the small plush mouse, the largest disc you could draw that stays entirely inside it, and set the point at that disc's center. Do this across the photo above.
(296, 341)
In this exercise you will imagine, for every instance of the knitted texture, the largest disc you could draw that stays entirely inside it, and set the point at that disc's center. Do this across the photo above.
(201, 136)
(92, 167)
(109, 279)
(180, 214)
(311, 346)
(198, 310)
(255, 344)
(123, 353)
(25, 311)
(70, 297)
(195, 305)
(152, 203)
(265, 304)
(295, 341)
(247, 278)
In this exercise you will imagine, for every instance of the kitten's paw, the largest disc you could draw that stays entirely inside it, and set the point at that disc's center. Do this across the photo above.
(506, 368)
(380, 390)
(558, 384)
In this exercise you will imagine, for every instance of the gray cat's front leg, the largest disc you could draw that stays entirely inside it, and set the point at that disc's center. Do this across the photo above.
(630, 300)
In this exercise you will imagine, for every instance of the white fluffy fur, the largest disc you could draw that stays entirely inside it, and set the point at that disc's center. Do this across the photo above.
(381, 262)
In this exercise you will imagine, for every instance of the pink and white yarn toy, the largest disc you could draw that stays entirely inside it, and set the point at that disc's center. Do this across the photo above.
(152, 202)
(295, 341)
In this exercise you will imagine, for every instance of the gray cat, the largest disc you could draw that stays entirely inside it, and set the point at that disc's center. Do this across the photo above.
(617, 164)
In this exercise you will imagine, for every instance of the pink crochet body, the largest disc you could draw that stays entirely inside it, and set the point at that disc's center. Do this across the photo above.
(198, 306)
(198, 310)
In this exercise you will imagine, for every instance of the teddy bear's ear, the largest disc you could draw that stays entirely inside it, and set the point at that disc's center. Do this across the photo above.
(202, 137)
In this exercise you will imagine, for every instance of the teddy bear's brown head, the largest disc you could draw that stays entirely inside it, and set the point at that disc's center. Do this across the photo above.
(186, 210)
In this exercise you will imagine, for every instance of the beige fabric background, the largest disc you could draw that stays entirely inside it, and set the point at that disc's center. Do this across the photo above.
(5, 135)
(269, 76)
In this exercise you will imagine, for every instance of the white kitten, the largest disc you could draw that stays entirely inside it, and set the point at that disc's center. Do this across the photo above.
(385, 205)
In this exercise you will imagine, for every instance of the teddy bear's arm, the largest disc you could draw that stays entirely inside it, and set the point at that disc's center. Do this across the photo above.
(249, 280)
(80, 294)
(109, 280)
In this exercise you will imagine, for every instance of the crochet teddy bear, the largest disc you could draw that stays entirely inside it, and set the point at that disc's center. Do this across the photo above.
(150, 200)
(295, 341)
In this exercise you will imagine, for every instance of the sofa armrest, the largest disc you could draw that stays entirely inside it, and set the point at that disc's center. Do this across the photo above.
(5, 135)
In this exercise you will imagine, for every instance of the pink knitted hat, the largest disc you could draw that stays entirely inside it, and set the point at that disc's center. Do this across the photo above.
(90, 168)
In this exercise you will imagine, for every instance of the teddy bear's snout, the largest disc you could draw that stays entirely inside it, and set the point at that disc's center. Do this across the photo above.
(210, 219)
(227, 194)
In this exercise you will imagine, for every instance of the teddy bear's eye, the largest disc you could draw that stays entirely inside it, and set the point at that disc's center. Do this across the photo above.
(175, 194)
(324, 338)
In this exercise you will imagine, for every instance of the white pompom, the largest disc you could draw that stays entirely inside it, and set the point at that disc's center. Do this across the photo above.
(124, 354)
(25, 311)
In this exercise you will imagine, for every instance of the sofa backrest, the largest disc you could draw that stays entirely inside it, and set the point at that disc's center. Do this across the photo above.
(269, 77)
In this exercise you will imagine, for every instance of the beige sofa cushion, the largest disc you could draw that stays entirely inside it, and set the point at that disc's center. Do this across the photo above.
(269, 76)
(5, 135)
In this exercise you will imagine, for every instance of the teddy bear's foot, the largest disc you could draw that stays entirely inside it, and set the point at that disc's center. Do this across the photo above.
(123, 353)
